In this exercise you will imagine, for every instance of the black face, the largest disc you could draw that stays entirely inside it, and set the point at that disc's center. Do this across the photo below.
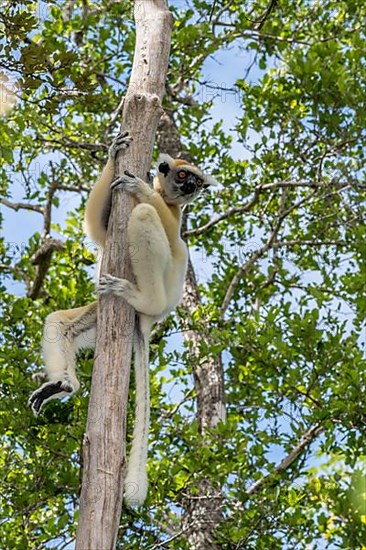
(188, 182)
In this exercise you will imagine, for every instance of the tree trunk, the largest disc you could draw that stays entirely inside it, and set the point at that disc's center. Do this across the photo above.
(105, 438)
(203, 514)
(203, 509)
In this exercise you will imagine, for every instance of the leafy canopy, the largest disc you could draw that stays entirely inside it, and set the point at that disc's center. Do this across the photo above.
(283, 291)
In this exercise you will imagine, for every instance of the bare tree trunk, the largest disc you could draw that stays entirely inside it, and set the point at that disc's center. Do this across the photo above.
(105, 437)
(203, 509)
(203, 514)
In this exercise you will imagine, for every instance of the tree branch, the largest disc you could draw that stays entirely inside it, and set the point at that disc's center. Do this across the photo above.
(42, 259)
(259, 253)
(266, 15)
(21, 206)
(248, 207)
(281, 244)
(247, 266)
(237, 210)
(48, 207)
(72, 144)
(307, 438)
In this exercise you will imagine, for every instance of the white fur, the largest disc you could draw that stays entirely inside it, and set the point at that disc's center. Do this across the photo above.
(159, 262)
(136, 479)
(58, 352)
(209, 180)
(59, 347)
(164, 157)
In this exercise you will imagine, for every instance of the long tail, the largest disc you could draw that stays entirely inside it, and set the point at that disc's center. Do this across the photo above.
(136, 478)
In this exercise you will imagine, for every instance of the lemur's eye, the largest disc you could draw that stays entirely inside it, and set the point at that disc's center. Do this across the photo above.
(199, 182)
(182, 174)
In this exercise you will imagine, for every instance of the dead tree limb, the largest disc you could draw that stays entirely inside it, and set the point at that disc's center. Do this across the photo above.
(105, 437)
(42, 259)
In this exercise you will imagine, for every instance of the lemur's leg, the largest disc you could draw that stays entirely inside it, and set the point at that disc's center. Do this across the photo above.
(65, 332)
(150, 258)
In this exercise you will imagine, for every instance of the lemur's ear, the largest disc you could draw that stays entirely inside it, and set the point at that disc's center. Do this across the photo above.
(210, 181)
(165, 164)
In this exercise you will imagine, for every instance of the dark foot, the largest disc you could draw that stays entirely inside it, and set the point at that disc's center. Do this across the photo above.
(49, 390)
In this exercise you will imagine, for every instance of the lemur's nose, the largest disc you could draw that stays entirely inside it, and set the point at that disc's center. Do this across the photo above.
(189, 186)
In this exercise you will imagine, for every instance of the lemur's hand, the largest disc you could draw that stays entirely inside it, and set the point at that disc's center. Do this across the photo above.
(120, 143)
(130, 183)
(108, 284)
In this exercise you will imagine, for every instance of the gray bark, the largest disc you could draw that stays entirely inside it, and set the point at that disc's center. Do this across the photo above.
(203, 510)
(105, 438)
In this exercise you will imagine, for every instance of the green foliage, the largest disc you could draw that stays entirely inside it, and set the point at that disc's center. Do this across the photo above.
(293, 335)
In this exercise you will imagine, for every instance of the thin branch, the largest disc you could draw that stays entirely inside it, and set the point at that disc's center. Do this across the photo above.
(247, 207)
(247, 266)
(279, 184)
(116, 115)
(187, 397)
(212, 86)
(307, 438)
(48, 208)
(67, 543)
(167, 541)
(13, 269)
(266, 15)
(73, 188)
(260, 252)
(186, 100)
(280, 244)
(21, 206)
(42, 259)
(237, 210)
(113, 78)
(67, 142)
(83, 145)
(255, 34)
(220, 12)
(168, 529)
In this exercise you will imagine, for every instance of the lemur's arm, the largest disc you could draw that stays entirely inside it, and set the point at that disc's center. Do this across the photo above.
(98, 205)
(169, 214)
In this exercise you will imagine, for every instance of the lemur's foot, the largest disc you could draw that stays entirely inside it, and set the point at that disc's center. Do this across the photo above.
(120, 143)
(50, 390)
(129, 182)
(108, 284)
